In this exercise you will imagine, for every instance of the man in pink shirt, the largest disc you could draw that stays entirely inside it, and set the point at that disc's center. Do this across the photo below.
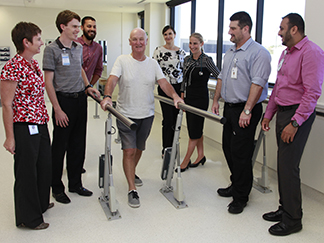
(92, 51)
(294, 98)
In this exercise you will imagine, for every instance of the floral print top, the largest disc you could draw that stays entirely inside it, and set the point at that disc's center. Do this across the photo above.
(171, 63)
(29, 103)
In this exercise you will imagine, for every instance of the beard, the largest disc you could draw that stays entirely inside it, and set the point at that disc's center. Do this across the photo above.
(89, 37)
(286, 38)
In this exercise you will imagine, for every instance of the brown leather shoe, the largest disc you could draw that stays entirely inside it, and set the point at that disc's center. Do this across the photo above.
(39, 227)
(50, 205)
(42, 226)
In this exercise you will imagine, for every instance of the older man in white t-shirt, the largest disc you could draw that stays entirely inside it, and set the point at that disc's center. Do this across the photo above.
(136, 75)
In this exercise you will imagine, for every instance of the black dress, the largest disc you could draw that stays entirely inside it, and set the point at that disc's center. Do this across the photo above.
(196, 76)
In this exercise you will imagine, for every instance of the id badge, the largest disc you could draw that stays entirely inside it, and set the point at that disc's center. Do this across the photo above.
(33, 129)
(65, 59)
(280, 64)
(234, 73)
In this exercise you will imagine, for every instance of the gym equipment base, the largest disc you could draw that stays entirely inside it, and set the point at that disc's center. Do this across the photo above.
(169, 195)
(257, 186)
(105, 206)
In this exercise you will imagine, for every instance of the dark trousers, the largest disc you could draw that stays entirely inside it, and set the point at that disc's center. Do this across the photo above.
(32, 170)
(238, 147)
(70, 140)
(169, 114)
(289, 156)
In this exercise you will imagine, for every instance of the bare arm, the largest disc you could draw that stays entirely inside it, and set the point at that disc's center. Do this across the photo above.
(8, 88)
(61, 118)
(92, 91)
(217, 95)
(169, 90)
(254, 95)
(94, 79)
(109, 89)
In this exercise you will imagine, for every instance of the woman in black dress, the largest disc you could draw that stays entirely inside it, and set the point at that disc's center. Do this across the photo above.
(197, 69)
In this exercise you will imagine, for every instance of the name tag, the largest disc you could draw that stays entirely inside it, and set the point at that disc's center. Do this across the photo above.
(234, 73)
(65, 59)
(280, 64)
(33, 129)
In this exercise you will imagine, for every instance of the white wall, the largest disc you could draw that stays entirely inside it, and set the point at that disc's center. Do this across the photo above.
(313, 22)
(112, 27)
(156, 18)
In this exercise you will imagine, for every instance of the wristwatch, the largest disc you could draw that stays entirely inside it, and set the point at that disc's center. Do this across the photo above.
(247, 112)
(89, 85)
(294, 123)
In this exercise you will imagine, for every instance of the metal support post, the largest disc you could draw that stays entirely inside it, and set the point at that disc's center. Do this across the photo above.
(108, 196)
(96, 115)
(262, 183)
(176, 196)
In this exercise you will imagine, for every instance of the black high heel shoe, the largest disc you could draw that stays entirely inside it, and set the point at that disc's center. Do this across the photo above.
(202, 162)
(182, 170)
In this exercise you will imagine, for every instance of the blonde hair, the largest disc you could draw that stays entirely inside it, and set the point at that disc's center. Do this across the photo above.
(199, 37)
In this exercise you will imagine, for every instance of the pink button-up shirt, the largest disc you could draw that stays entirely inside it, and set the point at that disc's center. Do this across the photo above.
(299, 80)
(92, 58)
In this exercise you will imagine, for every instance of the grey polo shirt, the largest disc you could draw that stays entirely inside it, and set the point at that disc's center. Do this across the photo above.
(253, 66)
(67, 78)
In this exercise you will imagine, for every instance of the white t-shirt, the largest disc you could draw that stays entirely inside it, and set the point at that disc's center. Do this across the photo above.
(136, 84)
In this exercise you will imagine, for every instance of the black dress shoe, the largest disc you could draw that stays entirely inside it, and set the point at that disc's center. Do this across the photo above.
(236, 207)
(273, 216)
(81, 191)
(184, 169)
(61, 197)
(282, 229)
(202, 162)
(225, 192)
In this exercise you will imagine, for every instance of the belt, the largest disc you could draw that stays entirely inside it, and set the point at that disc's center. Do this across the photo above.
(288, 107)
(242, 104)
(71, 95)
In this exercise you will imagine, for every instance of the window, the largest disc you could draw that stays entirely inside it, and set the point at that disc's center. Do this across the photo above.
(271, 21)
(206, 25)
(182, 26)
(207, 20)
(231, 7)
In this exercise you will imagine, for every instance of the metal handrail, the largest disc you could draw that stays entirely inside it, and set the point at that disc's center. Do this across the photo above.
(194, 110)
(125, 120)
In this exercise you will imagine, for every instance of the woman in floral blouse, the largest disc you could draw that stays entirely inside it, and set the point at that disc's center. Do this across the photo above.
(25, 121)
(170, 58)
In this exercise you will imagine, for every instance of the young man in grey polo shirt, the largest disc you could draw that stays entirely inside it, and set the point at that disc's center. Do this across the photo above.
(243, 84)
(66, 84)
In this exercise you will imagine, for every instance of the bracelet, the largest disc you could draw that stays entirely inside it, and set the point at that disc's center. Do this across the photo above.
(89, 86)
(105, 96)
